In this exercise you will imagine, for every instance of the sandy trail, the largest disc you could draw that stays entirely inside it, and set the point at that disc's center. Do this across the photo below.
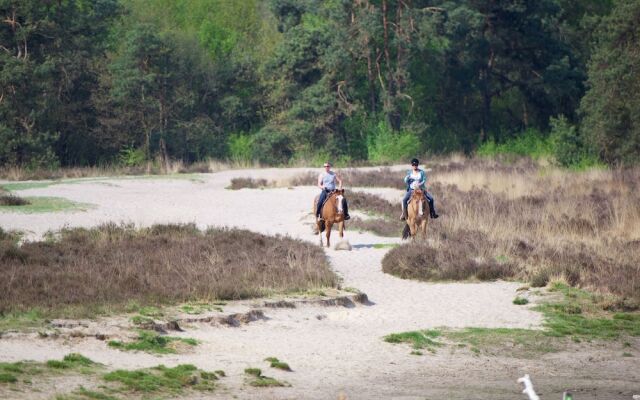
(331, 349)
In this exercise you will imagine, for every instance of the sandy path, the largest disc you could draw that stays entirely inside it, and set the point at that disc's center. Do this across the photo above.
(332, 350)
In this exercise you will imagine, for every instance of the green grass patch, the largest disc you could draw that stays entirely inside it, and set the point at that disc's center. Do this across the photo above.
(151, 342)
(521, 342)
(73, 360)
(22, 320)
(6, 377)
(46, 204)
(14, 186)
(22, 371)
(580, 315)
(520, 301)
(385, 245)
(260, 380)
(275, 363)
(577, 317)
(419, 340)
(162, 379)
(199, 308)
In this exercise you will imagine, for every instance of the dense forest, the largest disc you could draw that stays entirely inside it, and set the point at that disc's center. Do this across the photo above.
(95, 82)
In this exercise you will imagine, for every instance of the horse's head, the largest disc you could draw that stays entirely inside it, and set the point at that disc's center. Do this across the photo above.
(340, 192)
(417, 193)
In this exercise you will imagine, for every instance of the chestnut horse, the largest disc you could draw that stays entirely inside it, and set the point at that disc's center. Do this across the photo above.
(331, 214)
(417, 215)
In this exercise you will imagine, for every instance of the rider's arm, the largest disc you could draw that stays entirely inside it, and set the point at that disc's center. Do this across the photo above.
(320, 182)
(406, 178)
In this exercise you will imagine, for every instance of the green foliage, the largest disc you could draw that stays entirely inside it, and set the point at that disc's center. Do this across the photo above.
(386, 146)
(530, 143)
(141, 80)
(240, 147)
(131, 157)
(570, 150)
(611, 106)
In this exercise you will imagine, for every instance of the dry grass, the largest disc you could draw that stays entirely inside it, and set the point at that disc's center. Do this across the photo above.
(534, 224)
(248, 183)
(112, 265)
(148, 168)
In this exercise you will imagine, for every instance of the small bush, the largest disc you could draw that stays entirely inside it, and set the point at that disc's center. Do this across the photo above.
(385, 146)
(131, 157)
(240, 147)
(531, 143)
(12, 200)
(520, 301)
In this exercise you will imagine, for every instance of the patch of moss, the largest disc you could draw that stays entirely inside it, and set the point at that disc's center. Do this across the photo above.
(151, 342)
(161, 379)
(424, 339)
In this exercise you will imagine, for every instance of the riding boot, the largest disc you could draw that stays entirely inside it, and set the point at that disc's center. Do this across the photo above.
(404, 215)
(432, 210)
(345, 209)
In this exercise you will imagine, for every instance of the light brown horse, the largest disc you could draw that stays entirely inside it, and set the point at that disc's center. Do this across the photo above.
(417, 216)
(330, 215)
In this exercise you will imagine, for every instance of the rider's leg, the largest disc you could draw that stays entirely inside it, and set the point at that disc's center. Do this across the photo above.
(323, 195)
(432, 206)
(405, 201)
(345, 209)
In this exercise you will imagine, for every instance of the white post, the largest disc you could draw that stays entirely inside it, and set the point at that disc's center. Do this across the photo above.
(528, 387)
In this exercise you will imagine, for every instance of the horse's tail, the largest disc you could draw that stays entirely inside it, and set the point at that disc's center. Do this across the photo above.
(406, 232)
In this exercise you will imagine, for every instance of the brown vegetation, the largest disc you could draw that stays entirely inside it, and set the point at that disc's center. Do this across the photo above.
(112, 265)
(533, 224)
(248, 183)
(8, 199)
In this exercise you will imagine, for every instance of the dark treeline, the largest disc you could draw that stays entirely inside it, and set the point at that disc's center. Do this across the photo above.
(91, 82)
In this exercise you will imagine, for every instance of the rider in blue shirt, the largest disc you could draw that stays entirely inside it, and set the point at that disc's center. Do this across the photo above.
(417, 178)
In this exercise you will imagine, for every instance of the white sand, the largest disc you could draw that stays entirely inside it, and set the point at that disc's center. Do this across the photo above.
(331, 349)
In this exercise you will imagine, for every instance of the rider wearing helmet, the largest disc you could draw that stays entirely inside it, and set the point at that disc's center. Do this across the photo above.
(416, 178)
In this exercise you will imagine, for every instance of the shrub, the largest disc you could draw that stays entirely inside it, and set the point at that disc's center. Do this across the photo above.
(385, 146)
(240, 147)
(114, 265)
(530, 143)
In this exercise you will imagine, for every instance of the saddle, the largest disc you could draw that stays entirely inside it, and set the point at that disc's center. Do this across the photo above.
(332, 193)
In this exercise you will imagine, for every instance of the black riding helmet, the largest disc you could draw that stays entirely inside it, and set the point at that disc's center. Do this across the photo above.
(415, 161)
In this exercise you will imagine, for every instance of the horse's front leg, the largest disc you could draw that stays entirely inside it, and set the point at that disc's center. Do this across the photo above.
(341, 229)
(328, 228)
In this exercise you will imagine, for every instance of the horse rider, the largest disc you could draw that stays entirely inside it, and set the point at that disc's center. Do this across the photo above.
(327, 183)
(417, 178)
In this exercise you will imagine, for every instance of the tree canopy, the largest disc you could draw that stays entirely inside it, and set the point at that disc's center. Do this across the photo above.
(106, 81)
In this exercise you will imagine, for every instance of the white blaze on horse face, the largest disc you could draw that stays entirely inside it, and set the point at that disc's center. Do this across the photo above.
(339, 203)
(421, 203)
